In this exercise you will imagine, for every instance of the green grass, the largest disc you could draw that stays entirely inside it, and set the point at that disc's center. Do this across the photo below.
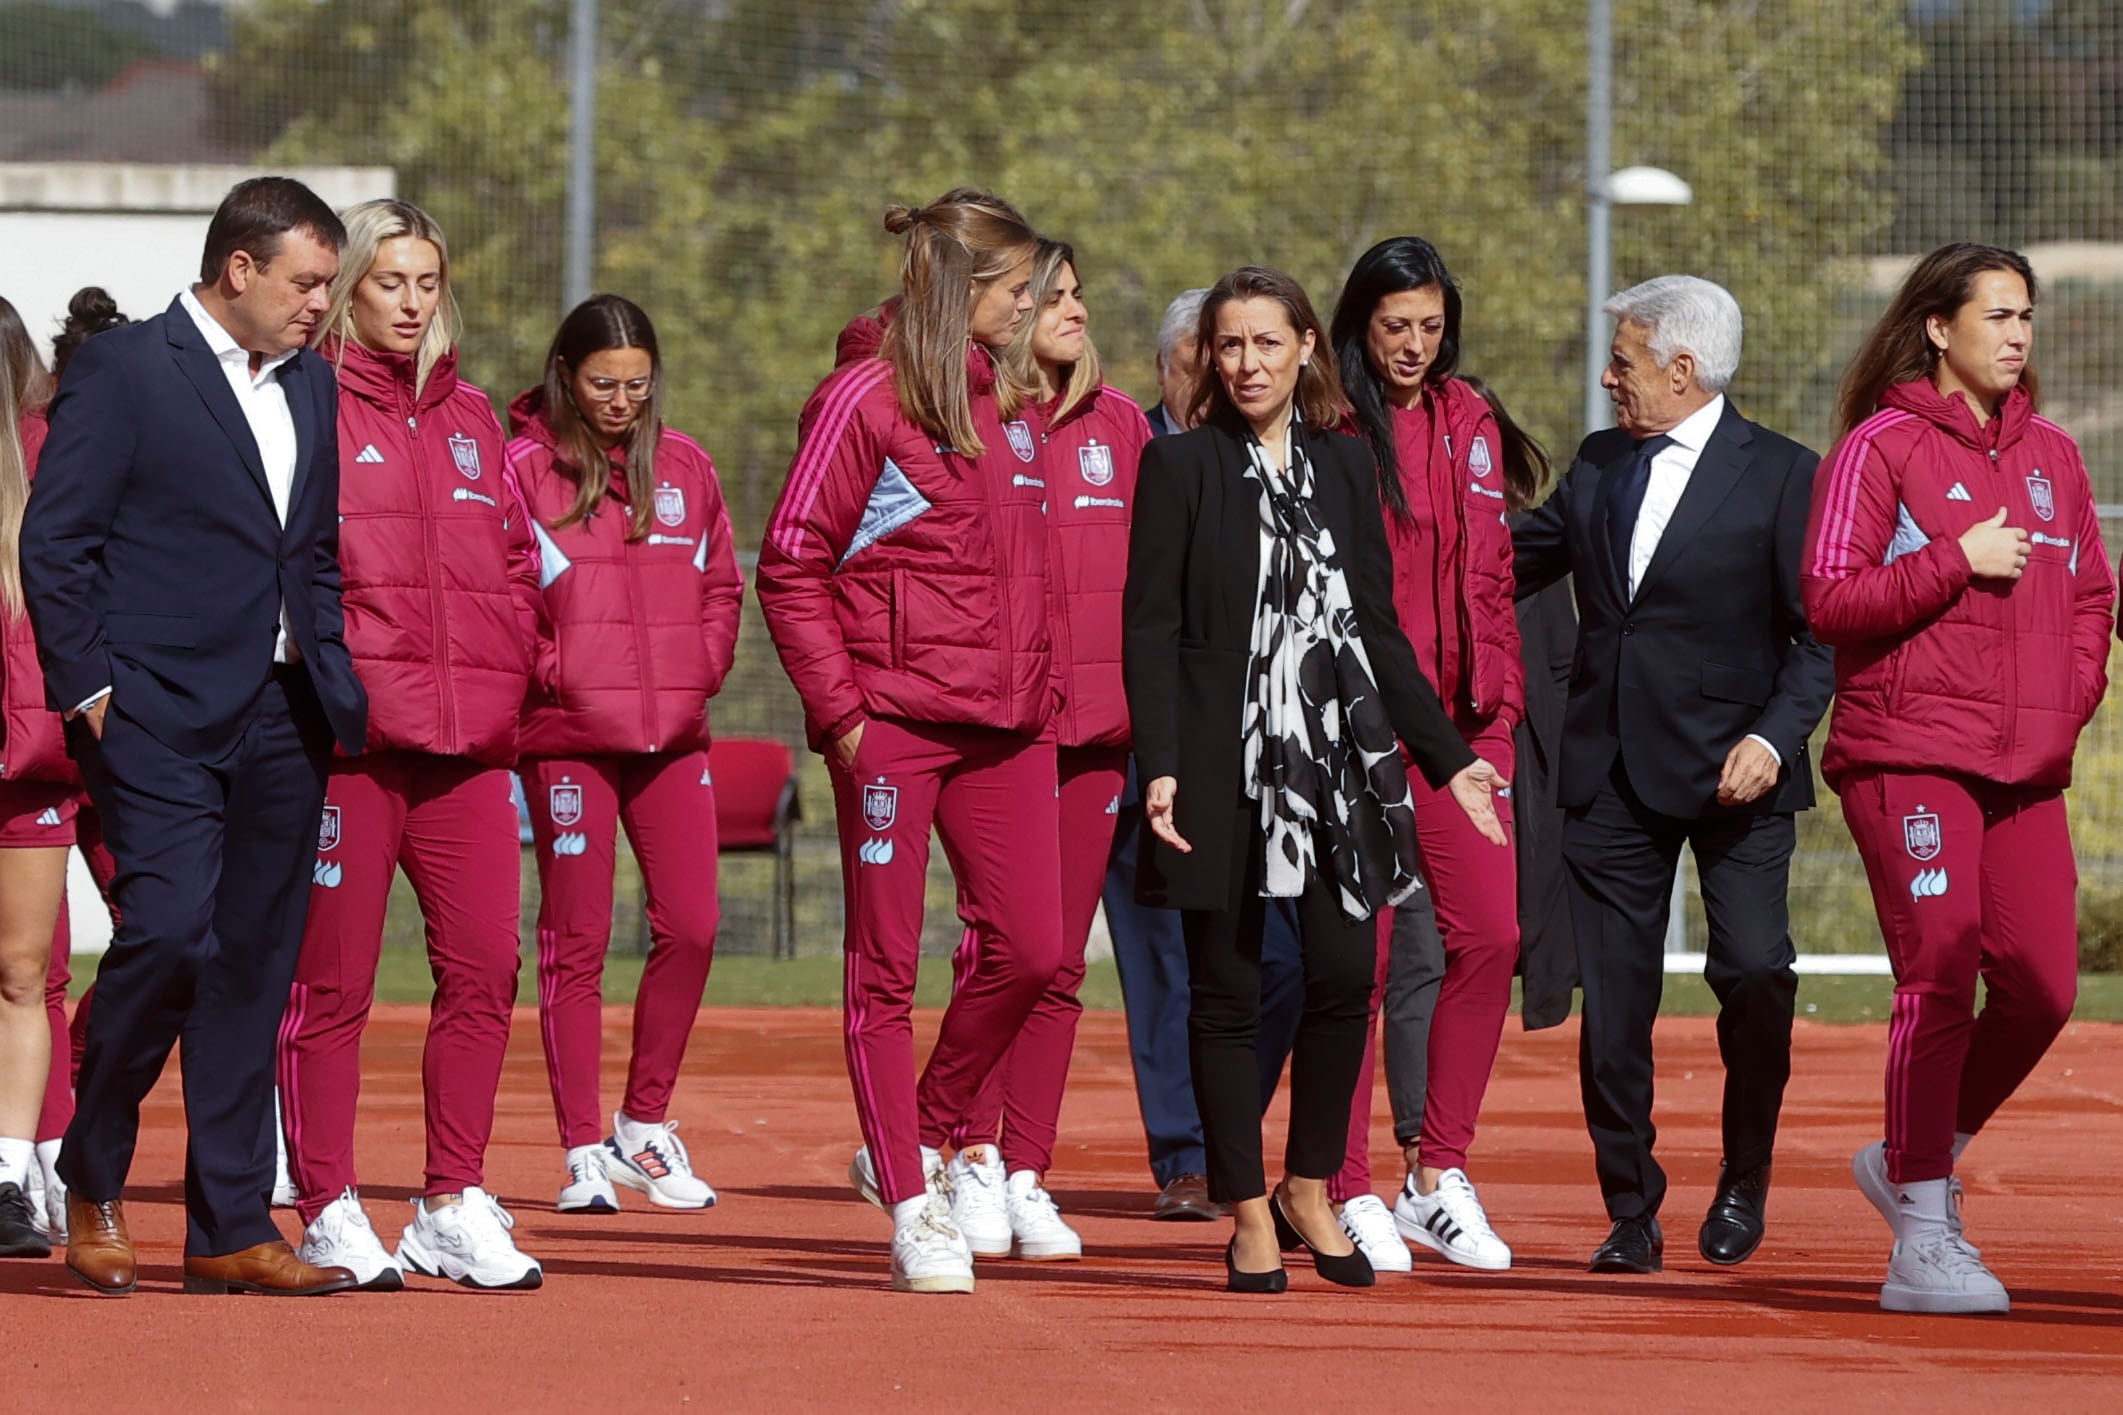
(815, 982)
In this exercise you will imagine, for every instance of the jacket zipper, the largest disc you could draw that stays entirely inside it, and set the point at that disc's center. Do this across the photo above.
(2012, 654)
(996, 508)
(444, 715)
(641, 633)
(1463, 612)
(1058, 616)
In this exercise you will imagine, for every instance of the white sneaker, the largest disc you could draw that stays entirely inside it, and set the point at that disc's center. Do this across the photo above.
(928, 1253)
(283, 1182)
(1869, 1168)
(467, 1243)
(653, 1159)
(54, 1189)
(1369, 1224)
(340, 1237)
(1036, 1222)
(862, 1175)
(1936, 1271)
(978, 1204)
(1452, 1222)
(589, 1187)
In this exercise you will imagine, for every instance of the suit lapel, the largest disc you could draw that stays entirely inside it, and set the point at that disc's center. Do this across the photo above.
(1716, 472)
(1614, 577)
(198, 364)
(295, 383)
(1241, 530)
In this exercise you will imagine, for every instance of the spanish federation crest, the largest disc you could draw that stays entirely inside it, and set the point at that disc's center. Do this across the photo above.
(671, 505)
(1478, 459)
(465, 453)
(1021, 439)
(566, 801)
(2042, 495)
(328, 830)
(1096, 463)
(1920, 834)
(880, 806)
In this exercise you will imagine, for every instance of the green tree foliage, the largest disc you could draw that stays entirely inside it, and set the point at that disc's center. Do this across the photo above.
(53, 46)
(745, 154)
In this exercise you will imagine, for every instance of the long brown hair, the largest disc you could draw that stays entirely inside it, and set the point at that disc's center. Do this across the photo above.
(24, 387)
(603, 322)
(1898, 350)
(1319, 399)
(963, 240)
(1022, 373)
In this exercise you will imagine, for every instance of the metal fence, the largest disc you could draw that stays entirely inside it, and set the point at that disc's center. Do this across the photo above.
(742, 150)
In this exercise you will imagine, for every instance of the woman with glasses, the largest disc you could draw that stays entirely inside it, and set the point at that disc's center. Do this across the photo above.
(641, 596)
(441, 595)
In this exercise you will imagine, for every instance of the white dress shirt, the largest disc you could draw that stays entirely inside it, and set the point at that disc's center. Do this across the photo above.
(1670, 473)
(272, 423)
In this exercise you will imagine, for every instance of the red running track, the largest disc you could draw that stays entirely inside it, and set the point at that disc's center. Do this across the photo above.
(776, 1299)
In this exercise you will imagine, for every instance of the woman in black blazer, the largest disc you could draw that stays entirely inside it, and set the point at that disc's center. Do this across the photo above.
(1267, 679)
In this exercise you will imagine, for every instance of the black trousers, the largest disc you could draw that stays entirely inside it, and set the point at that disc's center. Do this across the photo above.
(1339, 956)
(1621, 856)
(213, 885)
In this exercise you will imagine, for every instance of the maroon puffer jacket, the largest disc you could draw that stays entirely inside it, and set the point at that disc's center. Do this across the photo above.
(1935, 670)
(1091, 456)
(906, 579)
(32, 738)
(642, 632)
(440, 567)
(1451, 457)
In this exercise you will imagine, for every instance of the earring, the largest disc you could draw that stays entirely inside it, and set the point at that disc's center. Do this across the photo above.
(1304, 363)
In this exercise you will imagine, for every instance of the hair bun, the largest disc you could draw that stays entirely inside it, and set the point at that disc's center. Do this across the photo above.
(900, 219)
(92, 310)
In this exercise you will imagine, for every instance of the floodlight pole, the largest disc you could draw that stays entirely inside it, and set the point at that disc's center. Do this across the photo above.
(581, 219)
(1599, 161)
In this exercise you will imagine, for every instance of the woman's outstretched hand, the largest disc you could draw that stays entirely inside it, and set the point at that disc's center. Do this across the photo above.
(1475, 789)
(1157, 805)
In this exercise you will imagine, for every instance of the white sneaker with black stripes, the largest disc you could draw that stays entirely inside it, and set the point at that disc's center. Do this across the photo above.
(1370, 1226)
(1451, 1221)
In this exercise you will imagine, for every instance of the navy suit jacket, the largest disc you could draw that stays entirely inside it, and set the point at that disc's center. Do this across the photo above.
(152, 560)
(1713, 646)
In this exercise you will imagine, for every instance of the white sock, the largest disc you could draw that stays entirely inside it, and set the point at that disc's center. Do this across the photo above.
(932, 1161)
(1960, 1142)
(1920, 1206)
(48, 1161)
(16, 1157)
(908, 1211)
(627, 1128)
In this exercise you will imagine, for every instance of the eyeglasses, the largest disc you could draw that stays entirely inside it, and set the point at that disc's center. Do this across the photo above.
(604, 390)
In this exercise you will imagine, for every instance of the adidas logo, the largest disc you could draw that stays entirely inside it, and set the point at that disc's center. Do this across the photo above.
(707, 778)
(50, 816)
(875, 851)
(1959, 493)
(1113, 806)
(570, 843)
(370, 454)
(1928, 884)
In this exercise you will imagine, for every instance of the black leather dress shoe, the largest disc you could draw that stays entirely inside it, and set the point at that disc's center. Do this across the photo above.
(1732, 1230)
(1634, 1245)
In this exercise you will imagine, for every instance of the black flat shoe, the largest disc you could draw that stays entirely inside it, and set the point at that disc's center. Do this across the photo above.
(1732, 1230)
(19, 1235)
(1274, 1280)
(1351, 1269)
(1634, 1245)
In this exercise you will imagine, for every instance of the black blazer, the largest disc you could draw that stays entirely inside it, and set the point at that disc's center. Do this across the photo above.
(1187, 618)
(152, 560)
(1715, 644)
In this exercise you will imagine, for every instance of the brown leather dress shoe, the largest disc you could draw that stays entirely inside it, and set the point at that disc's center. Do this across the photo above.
(1186, 1198)
(270, 1270)
(98, 1249)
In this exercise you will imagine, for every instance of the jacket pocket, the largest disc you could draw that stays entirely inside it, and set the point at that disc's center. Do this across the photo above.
(899, 620)
(176, 631)
(1736, 685)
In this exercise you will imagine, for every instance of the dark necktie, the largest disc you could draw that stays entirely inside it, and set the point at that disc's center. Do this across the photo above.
(1626, 500)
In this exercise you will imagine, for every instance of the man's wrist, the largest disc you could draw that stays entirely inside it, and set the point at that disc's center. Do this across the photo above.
(1767, 746)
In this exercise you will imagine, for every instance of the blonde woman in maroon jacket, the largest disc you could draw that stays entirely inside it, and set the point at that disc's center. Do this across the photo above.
(641, 592)
(441, 596)
(39, 793)
(1091, 438)
(1954, 561)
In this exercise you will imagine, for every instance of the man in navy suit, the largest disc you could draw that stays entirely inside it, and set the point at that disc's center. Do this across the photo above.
(180, 562)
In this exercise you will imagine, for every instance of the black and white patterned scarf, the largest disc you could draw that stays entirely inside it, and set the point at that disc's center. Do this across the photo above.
(1320, 754)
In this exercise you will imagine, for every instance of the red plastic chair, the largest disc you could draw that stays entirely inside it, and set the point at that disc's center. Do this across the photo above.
(756, 810)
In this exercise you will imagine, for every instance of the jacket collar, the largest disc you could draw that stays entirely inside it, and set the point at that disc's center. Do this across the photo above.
(386, 380)
(1952, 415)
